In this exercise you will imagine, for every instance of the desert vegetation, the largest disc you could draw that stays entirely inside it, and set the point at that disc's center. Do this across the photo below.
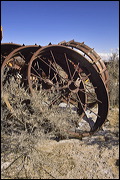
(34, 142)
(113, 68)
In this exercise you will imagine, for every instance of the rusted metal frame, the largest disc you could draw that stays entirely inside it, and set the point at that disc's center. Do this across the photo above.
(68, 65)
(75, 71)
(53, 69)
(36, 55)
(49, 66)
(96, 60)
(49, 70)
(101, 117)
(25, 49)
(70, 101)
(102, 71)
(7, 48)
(92, 55)
(16, 51)
(39, 76)
(90, 95)
(78, 46)
(106, 95)
(83, 90)
(54, 62)
(88, 51)
(84, 48)
(86, 107)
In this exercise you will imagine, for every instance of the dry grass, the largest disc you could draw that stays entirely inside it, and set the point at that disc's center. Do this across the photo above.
(29, 130)
(23, 112)
(113, 117)
(25, 121)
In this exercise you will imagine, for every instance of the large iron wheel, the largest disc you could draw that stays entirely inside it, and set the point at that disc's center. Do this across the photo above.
(13, 70)
(7, 48)
(15, 64)
(70, 78)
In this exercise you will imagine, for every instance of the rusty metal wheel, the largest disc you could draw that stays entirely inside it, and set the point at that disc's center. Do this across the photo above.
(15, 64)
(92, 57)
(68, 77)
(13, 70)
(7, 48)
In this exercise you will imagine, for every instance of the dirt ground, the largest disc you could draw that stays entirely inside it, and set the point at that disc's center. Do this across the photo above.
(95, 157)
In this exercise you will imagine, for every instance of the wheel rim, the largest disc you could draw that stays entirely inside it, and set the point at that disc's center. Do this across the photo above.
(7, 48)
(16, 63)
(75, 67)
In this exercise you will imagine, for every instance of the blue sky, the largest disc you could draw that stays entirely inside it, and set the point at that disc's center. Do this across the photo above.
(94, 22)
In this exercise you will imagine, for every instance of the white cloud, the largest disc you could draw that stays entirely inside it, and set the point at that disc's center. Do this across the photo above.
(118, 49)
(105, 56)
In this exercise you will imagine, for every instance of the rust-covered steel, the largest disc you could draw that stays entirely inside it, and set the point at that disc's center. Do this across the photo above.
(70, 72)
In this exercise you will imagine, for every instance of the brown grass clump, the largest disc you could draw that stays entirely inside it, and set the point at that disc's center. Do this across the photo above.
(25, 121)
(23, 112)
(113, 117)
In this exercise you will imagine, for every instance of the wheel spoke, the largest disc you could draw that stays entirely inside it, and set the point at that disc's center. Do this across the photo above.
(36, 72)
(75, 71)
(87, 107)
(51, 68)
(56, 69)
(68, 65)
(90, 95)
